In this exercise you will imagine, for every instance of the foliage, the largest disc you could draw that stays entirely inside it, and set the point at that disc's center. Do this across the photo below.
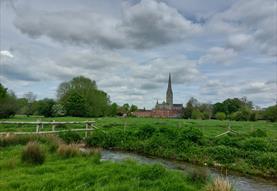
(8, 105)
(33, 154)
(70, 136)
(44, 107)
(271, 113)
(220, 116)
(258, 133)
(75, 105)
(80, 97)
(196, 114)
(58, 110)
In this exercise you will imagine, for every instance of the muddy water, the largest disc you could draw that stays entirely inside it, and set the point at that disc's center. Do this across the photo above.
(240, 183)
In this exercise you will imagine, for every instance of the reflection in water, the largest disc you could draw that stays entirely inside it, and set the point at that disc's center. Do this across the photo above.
(240, 183)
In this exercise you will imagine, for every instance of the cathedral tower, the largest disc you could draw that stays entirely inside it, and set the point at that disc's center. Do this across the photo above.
(169, 94)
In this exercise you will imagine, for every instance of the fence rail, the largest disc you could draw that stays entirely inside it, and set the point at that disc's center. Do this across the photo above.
(89, 126)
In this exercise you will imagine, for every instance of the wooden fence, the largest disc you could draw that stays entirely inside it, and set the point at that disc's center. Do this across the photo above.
(88, 126)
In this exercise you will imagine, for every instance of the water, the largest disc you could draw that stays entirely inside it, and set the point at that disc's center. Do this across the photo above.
(240, 183)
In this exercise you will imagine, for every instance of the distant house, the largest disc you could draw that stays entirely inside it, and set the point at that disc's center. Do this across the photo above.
(165, 109)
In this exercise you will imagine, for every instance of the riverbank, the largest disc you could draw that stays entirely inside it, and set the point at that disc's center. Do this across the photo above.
(239, 182)
(71, 170)
(250, 153)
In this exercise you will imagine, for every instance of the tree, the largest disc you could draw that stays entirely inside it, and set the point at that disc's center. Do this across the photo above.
(126, 108)
(96, 102)
(8, 105)
(75, 105)
(191, 104)
(271, 113)
(31, 98)
(196, 114)
(44, 107)
(113, 110)
(58, 110)
(220, 115)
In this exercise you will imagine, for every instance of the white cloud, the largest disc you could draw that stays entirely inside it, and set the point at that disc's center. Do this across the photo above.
(6, 53)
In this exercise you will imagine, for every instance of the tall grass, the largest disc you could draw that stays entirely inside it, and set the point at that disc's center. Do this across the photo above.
(33, 154)
(67, 151)
(220, 184)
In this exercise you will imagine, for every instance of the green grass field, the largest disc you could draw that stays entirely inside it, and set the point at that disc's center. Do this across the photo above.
(253, 150)
(209, 128)
(86, 173)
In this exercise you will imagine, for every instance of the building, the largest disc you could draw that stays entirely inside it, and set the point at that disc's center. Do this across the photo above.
(165, 109)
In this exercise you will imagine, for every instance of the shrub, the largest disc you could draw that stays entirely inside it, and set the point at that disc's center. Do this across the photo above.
(146, 131)
(219, 184)
(255, 144)
(192, 134)
(258, 133)
(70, 137)
(220, 116)
(33, 153)
(196, 114)
(223, 154)
(228, 141)
(67, 151)
(265, 160)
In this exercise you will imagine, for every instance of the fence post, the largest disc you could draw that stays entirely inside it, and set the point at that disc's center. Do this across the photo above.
(86, 133)
(53, 126)
(38, 125)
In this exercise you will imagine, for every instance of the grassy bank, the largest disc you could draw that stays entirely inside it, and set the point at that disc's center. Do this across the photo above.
(253, 150)
(82, 172)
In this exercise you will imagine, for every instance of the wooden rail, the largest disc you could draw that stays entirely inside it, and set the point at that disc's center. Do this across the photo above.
(89, 126)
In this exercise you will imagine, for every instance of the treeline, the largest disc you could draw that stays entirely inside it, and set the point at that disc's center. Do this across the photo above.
(78, 97)
(239, 109)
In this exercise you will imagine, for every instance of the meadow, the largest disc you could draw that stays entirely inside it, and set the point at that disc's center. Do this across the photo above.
(78, 171)
(251, 150)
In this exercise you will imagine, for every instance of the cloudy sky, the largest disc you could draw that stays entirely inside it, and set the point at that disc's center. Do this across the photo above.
(214, 49)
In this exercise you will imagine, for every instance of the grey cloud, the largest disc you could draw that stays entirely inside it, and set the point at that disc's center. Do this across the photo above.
(149, 86)
(218, 55)
(248, 20)
(144, 25)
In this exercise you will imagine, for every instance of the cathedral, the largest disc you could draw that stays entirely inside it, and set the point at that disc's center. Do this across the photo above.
(166, 109)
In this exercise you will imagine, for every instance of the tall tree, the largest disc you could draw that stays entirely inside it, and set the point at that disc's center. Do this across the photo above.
(96, 102)
(8, 105)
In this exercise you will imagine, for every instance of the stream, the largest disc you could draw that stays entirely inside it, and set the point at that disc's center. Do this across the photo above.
(241, 183)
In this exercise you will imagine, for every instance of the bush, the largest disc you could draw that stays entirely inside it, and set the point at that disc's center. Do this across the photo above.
(220, 116)
(70, 137)
(223, 154)
(194, 135)
(271, 113)
(258, 133)
(255, 144)
(196, 114)
(146, 132)
(33, 154)
(265, 160)
(67, 151)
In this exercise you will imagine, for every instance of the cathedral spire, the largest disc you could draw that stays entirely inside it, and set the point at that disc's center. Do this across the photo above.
(169, 94)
